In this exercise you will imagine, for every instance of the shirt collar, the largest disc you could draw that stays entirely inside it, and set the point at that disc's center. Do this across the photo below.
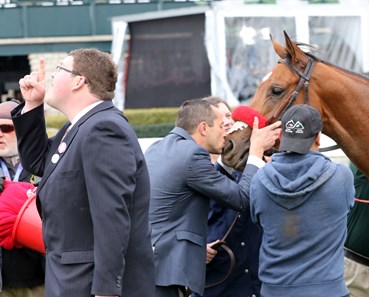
(225, 167)
(83, 112)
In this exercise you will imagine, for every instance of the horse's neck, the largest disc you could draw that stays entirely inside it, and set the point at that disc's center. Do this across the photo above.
(344, 101)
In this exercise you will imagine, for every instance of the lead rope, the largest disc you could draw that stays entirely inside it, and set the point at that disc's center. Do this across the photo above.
(361, 200)
(230, 253)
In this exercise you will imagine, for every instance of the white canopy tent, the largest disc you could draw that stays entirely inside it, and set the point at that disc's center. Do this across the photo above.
(237, 40)
(241, 54)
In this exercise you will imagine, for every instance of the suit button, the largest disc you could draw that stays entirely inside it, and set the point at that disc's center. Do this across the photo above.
(118, 285)
(243, 244)
(246, 270)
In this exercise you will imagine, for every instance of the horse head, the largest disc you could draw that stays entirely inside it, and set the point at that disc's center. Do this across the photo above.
(278, 90)
(341, 97)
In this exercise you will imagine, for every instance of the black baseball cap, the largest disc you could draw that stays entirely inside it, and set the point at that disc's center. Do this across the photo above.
(300, 126)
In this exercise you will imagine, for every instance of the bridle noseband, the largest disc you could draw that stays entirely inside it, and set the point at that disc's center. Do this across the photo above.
(304, 80)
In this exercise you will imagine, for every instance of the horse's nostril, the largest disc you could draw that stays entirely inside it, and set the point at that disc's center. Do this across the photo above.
(231, 144)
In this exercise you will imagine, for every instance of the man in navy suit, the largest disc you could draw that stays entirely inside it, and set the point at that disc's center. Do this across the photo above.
(94, 194)
(183, 179)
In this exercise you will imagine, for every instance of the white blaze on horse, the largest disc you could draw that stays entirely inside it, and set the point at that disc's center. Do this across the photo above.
(341, 97)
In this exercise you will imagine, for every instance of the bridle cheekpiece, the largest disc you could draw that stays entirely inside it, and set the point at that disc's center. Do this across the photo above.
(303, 81)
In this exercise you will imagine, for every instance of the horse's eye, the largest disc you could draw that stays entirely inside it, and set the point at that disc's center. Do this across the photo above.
(276, 91)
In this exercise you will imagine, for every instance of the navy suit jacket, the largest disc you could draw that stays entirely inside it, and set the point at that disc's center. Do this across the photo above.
(183, 180)
(94, 197)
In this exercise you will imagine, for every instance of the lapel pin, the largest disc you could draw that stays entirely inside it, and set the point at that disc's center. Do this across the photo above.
(55, 158)
(62, 147)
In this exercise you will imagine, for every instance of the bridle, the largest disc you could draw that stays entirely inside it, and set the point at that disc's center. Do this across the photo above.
(303, 81)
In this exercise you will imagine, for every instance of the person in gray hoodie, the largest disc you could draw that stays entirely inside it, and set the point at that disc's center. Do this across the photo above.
(301, 200)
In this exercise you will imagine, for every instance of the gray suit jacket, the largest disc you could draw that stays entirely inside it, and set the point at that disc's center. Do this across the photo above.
(183, 179)
(94, 199)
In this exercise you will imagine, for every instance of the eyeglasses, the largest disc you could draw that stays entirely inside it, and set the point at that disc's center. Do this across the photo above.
(58, 68)
(6, 128)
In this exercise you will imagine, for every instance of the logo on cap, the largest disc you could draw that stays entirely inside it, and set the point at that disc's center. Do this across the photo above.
(297, 127)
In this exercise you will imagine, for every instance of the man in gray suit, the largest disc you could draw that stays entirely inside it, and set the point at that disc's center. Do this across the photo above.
(95, 190)
(183, 179)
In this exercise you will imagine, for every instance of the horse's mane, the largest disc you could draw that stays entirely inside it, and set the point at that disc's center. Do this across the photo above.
(315, 58)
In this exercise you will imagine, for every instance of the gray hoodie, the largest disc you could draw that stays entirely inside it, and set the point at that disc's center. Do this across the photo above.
(302, 202)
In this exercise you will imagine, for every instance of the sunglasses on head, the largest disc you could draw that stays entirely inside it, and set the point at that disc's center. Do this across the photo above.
(6, 128)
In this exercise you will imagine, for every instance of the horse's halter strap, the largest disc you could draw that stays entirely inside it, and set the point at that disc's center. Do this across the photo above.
(304, 80)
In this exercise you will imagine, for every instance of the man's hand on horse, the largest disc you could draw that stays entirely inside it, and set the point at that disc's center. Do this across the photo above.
(263, 139)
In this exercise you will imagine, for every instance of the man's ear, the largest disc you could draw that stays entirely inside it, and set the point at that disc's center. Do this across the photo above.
(79, 82)
(317, 139)
(201, 128)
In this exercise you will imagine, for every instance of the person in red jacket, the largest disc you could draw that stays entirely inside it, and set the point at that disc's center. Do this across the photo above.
(22, 269)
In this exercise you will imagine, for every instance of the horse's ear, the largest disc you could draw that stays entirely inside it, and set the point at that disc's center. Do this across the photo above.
(279, 49)
(297, 55)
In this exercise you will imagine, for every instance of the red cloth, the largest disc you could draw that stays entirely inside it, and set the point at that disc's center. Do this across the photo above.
(246, 114)
(12, 199)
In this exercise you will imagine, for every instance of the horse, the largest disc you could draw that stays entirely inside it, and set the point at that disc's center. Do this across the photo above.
(341, 96)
